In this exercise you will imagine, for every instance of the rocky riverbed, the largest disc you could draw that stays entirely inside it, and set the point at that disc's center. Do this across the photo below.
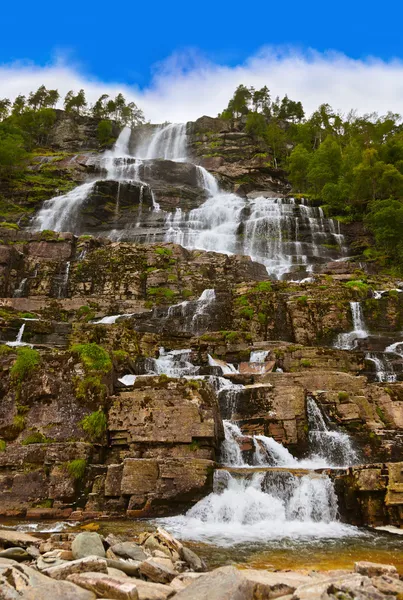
(156, 566)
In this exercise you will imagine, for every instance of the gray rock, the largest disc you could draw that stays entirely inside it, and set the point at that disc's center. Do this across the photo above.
(194, 561)
(183, 580)
(63, 590)
(131, 568)
(81, 565)
(88, 543)
(153, 569)
(129, 550)
(106, 586)
(18, 538)
(18, 554)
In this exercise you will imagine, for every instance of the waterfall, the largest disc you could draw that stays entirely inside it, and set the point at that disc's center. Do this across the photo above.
(249, 510)
(111, 319)
(396, 348)
(18, 340)
(383, 368)
(258, 356)
(231, 453)
(207, 181)
(167, 142)
(173, 364)
(348, 341)
(227, 368)
(64, 281)
(333, 446)
(127, 379)
(61, 212)
(20, 290)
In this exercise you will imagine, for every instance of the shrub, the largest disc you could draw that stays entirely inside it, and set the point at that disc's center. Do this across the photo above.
(93, 357)
(27, 361)
(94, 424)
(343, 396)
(105, 133)
(303, 300)
(306, 363)
(76, 468)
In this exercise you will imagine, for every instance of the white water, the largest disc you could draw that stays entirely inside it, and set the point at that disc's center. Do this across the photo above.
(227, 368)
(383, 368)
(348, 341)
(258, 356)
(127, 379)
(396, 348)
(245, 513)
(194, 313)
(269, 230)
(111, 319)
(18, 341)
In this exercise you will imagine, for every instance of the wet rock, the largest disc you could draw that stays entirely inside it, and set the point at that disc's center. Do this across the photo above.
(105, 586)
(375, 569)
(129, 550)
(81, 565)
(88, 543)
(156, 571)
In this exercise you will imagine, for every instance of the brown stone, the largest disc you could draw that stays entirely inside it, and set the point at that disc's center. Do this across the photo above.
(105, 586)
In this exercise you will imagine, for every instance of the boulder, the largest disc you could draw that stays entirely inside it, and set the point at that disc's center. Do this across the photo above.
(153, 591)
(194, 561)
(58, 589)
(156, 571)
(88, 543)
(105, 586)
(183, 580)
(130, 568)
(129, 550)
(18, 538)
(81, 565)
(226, 583)
(18, 554)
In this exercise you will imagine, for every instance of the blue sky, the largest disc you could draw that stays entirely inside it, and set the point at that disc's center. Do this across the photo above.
(139, 44)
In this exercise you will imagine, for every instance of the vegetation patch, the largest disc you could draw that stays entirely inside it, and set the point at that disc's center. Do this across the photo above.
(27, 361)
(93, 357)
(94, 425)
(76, 468)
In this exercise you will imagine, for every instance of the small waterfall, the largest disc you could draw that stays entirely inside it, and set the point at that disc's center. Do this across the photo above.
(20, 290)
(64, 281)
(61, 212)
(207, 181)
(111, 319)
(18, 340)
(231, 454)
(333, 446)
(348, 341)
(396, 348)
(383, 368)
(270, 452)
(258, 356)
(175, 363)
(227, 368)
(127, 379)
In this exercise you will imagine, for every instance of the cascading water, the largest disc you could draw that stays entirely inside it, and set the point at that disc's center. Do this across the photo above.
(282, 234)
(348, 341)
(383, 367)
(18, 341)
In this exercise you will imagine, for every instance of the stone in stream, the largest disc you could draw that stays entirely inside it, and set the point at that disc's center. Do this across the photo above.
(158, 571)
(130, 568)
(88, 543)
(81, 565)
(105, 586)
(129, 550)
(194, 561)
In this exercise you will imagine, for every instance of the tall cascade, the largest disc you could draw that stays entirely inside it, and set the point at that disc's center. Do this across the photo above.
(285, 235)
(348, 341)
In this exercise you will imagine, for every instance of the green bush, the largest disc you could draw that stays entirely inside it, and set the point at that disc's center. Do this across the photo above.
(76, 468)
(94, 424)
(263, 286)
(358, 286)
(302, 300)
(104, 133)
(27, 361)
(247, 312)
(93, 357)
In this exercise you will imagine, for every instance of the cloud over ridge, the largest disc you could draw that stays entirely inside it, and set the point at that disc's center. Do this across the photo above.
(186, 85)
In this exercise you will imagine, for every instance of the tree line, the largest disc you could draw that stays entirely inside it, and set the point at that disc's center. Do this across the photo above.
(351, 164)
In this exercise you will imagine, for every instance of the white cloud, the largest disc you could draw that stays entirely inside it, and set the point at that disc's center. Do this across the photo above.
(186, 86)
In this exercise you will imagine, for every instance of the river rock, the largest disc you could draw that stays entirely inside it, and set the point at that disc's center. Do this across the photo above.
(105, 586)
(163, 541)
(390, 585)
(63, 590)
(130, 567)
(156, 571)
(129, 550)
(115, 572)
(18, 554)
(183, 580)
(81, 565)
(88, 543)
(226, 583)
(375, 569)
(18, 538)
(194, 561)
(153, 591)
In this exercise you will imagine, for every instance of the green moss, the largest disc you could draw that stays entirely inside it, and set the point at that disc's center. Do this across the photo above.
(161, 293)
(27, 361)
(49, 235)
(187, 293)
(302, 300)
(19, 423)
(4, 350)
(36, 437)
(48, 503)
(381, 415)
(120, 355)
(94, 425)
(359, 286)
(93, 357)
(3, 445)
(194, 446)
(91, 388)
(305, 363)
(76, 468)
(343, 396)
(247, 312)
(163, 251)
(263, 286)
(85, 313)
(194, 384)
(7, 225)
